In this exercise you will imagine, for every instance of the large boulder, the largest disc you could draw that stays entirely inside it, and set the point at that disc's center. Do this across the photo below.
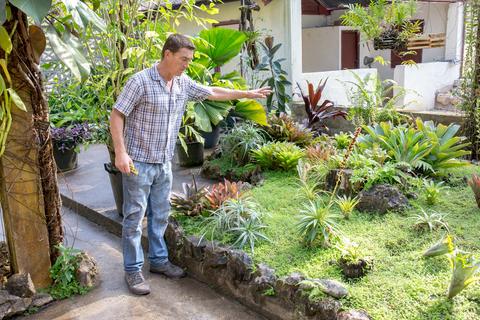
(21, 285)
(11, 304)
(353, 315)
(87, 271)
(382, 198)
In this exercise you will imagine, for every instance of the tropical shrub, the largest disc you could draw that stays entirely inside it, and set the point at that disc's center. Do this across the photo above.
(241, 141)
(317, 221)
(342, 140)
(319, 153)
(447, 147)
(278, 155)
(424, 148)
(372, 100)
(318, 113)
(283, 128)
(352, 261)
(278, 79)
(70, 137)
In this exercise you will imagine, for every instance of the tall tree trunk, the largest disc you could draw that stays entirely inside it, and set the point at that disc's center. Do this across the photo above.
(28, 165)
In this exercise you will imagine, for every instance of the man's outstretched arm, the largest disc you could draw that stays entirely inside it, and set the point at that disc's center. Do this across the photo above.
(224, 94)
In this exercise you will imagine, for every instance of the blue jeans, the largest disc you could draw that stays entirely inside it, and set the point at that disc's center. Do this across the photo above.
(148, 192)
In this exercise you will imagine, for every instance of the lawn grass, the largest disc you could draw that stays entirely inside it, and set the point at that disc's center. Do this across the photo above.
(402, 285)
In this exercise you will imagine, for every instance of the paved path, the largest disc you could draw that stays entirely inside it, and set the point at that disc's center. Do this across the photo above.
(170, 299)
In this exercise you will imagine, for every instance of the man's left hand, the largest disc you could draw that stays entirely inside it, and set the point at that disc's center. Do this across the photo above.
(260, 93)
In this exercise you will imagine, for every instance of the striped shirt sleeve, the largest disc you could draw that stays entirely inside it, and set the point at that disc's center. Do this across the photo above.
(197, 91)
(129, 97)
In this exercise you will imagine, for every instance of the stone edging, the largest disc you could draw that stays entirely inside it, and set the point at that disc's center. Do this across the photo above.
(233, 273)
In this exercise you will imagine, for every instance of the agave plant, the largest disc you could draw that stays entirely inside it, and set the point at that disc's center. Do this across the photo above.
(192, 201)
(464, 272)
(317, 221)
(431, 220)
(318, 113)
(240, 141)
(474, 183)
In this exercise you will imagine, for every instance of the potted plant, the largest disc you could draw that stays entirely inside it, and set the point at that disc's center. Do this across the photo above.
(190, 142)
(66, 141)
(388, 24)
(351, 262)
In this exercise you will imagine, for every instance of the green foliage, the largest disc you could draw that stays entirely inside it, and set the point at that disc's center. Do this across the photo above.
(381, 16)
(270, 292)
(317, 221)
(426, 148)
(283, 128)
(373, 101)
(313, 289)
(444, 246)
(347, 205)
(239, 143)
(238, 220)
(464, 272)
(63, 272)
(192, 201)
(342, 140)
(430, 220)
(469, 85)
(278, 78)
(350, 251)
(188, 133)
(278, 155)
(446, 145)
(431, 191)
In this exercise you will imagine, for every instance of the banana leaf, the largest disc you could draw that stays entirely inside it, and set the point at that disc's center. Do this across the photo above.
(251, 110)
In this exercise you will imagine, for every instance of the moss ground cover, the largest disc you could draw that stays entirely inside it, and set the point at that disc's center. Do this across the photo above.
(402, 285)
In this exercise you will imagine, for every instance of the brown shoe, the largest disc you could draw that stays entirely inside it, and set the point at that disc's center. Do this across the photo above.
(136, 283)
(169, 270)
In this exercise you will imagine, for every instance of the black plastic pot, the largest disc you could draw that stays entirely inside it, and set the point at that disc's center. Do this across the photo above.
(211, 138)
(117, 185)
(194, 156)
(66, 160)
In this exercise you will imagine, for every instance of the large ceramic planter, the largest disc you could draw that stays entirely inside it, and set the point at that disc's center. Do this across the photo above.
(117, 186)
(66, 160)
(194, 155)
(211, 138)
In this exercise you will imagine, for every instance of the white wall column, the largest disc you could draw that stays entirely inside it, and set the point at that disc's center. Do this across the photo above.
(294, 23)
(454, 32)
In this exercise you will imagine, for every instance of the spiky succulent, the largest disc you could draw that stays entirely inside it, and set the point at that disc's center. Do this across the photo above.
(192, 201)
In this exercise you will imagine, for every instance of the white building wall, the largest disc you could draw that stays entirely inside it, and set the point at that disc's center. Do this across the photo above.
(422, 82)
(321, 47)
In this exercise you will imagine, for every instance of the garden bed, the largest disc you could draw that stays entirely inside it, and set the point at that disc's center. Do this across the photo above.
(402, 285)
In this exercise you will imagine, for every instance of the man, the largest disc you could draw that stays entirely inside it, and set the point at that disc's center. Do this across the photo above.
(144, 125)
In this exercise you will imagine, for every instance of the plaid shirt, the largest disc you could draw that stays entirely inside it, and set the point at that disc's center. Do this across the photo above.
(153, 114)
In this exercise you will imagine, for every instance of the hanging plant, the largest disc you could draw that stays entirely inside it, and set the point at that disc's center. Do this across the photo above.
(387, 24)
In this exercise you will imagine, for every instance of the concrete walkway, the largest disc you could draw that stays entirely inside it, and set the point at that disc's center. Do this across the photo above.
(87, 190)
(170, 299)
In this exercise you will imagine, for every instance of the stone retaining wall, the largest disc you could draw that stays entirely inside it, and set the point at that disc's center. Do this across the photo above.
(232, 272)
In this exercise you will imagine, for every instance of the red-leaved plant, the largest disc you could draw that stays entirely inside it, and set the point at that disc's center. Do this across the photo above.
(318, 113)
